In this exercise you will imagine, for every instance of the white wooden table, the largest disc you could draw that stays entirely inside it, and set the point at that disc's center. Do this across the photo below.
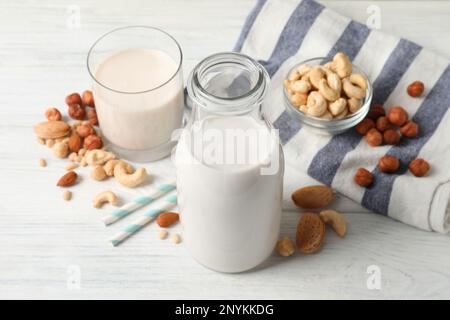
(47, 241)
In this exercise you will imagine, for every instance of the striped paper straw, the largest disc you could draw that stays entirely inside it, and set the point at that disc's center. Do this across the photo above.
(139, 202)
(147, 217)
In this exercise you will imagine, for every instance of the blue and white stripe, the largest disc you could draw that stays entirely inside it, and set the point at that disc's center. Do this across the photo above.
(139, 202)
(306, 29)
(168, 203)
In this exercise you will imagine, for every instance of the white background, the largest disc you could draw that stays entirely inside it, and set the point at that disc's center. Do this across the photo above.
(44, 239)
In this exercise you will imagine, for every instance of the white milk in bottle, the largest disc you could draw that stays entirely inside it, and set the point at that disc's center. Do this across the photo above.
(229, 167)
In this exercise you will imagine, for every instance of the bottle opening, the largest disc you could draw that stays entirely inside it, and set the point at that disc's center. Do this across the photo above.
(228, 82)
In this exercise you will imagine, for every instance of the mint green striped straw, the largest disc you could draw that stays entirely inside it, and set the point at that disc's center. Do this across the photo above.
(169, 203)
(139, 202)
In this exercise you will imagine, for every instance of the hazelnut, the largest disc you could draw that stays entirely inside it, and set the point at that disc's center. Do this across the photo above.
(374, 137)
(391, 136)
(363, 177)
(410, 129)
(73, 98)
(92, 142)
(419, 167)
(388, 164)
(77, 112)
(53, 114)
(376, 111)
(88, 99)
(415, 89)
(383, 124)
(397, 116)
(85, 130)
(364, 126)
(92, 117)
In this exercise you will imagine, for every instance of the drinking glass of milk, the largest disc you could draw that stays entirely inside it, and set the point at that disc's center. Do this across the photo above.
(229, 166)
(138, 90)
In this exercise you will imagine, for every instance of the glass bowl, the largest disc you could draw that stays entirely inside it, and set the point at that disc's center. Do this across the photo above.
(323, 126)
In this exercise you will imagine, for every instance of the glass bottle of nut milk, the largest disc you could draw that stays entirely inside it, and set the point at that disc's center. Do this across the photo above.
(229, 166)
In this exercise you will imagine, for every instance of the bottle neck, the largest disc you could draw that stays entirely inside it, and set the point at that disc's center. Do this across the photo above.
(227, 84)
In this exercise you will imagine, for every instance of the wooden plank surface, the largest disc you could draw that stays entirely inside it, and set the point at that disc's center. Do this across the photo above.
(45, 241)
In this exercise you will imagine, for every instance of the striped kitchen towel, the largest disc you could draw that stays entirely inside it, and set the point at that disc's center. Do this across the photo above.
(280, 33)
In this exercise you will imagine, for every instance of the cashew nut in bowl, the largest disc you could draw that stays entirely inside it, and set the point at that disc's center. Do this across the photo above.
(359, 80)
(341, 115)
(316, 103)
(294, 76)
(352, 91)
(301, 86)
(354, 104)
(338, 106)
(303, 108)
(327, 92)
(327, 116)
(342, 65)
(306, 77)
(335, 220)
(129, 180)
(315, 75)
(334, 81)
(330, 66)
(303, 69)
(105, 197)
(110, 165)
(298, 99)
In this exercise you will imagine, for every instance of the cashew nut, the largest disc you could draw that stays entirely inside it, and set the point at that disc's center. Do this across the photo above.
(342, 115)
(330, 66)
(327, 92)
(109, 167)
(105, 197)
(301, 86)
(338, 106)
(315, 75)
(342, 65)
(354, 104)
(306, 77)
(98, 157)
(298, 99)
(359, 80)
(334, 81)
(352, 91)
(129, 180)
(303, 69)
(327, 116)
(303, 108)
(316, 103)
(335, 220)
(294, 76)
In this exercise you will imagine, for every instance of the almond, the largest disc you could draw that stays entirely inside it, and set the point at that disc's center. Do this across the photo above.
(166, 219)
(51, 129)
(310, 233)
(74, 142)
(68, 179)
(313, 197)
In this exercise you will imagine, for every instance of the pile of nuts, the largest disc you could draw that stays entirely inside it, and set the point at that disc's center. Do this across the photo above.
(329, 91)
(310, 233)
(82, 145)
(166, 220)
(379, 127)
